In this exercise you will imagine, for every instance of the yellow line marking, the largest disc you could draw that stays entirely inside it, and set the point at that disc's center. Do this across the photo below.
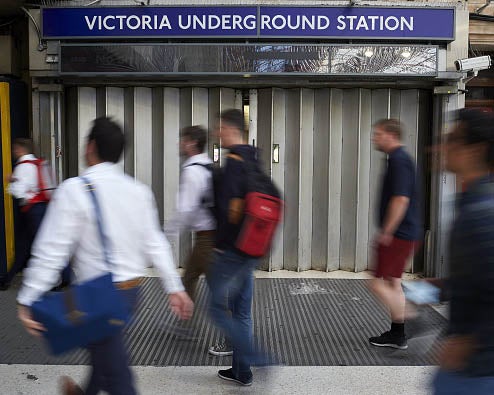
(7, 169)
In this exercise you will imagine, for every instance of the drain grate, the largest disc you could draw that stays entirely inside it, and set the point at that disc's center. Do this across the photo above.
(303, 322)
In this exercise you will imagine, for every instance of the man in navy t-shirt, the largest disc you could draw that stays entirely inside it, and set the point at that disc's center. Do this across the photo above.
(400, 228)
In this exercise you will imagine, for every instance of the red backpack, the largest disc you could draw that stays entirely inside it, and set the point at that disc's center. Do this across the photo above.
(262, 212)
(45, 182)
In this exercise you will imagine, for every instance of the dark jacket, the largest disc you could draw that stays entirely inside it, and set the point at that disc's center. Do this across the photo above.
(230, 192)
(471, 279)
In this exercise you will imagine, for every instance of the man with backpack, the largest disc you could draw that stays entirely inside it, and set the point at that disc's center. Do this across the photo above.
(231, 277)
(194, 201)
(195, 212)
(27, 186)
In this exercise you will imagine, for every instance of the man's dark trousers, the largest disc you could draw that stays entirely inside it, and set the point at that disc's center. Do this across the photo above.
(110, 362)
(26, 230)
(198, 262)
(454, 383)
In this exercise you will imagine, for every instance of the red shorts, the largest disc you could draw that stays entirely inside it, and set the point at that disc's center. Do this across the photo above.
(392, 259)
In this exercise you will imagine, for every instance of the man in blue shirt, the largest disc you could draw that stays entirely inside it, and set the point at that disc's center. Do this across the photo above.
(466, 356)
(399, 229)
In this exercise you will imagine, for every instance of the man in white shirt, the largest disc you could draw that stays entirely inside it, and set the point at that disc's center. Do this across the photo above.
(194, 202)
(134, 238)
(193, 213)
(24, 186)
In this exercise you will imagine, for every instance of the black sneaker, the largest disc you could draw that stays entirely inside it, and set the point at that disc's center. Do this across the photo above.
(227, 374)
(221, 350)
(389, 339)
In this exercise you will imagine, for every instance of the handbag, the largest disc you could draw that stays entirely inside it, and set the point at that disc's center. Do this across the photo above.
(85, 313)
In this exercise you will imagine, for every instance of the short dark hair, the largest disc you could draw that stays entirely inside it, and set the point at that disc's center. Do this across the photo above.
(390, 125)
(477, 126)
(109, 139)
(197, 134)
(234, 118)
(27, 144)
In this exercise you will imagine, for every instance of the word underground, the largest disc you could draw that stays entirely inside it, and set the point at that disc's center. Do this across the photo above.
(249, 22)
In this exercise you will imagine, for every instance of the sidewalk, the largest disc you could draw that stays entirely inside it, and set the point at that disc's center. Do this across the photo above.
(307, 380)
(327, 326)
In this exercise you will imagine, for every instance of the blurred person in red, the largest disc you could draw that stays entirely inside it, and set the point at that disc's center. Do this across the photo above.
(400, 227)
(25, 185)
(466, 356)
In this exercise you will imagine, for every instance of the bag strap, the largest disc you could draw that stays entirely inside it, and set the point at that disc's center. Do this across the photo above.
(208, 166)
(34, 162)
(249, 165)
(104, 241)
(39, 163)
(209, 201)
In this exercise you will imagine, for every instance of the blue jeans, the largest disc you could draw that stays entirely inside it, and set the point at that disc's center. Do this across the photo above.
(449, 383)
(231, 281)
(110, 362)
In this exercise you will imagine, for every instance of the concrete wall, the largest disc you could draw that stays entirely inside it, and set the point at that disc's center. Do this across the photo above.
(6, 66)
(458, 49)
(37, 58)
(14, 49)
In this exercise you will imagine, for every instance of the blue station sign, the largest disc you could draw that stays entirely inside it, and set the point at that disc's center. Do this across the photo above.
(249, 22)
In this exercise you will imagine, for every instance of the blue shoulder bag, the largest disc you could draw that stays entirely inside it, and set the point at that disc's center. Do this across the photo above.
(85, 313)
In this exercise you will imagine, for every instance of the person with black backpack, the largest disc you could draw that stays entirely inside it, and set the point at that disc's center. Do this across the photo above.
(238, 247)
(195, 212)
(194, 199)
(194, 209)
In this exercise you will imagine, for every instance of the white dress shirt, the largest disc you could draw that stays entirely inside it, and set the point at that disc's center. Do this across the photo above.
(25, 185)
(191, 213)
(69, 229)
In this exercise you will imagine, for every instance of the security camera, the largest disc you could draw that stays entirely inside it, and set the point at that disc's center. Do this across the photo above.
(473, 64)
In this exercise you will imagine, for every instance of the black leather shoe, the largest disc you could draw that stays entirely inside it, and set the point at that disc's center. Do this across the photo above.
(4, 286)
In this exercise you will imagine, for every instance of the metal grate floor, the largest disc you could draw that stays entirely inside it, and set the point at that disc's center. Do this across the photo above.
(303, 322)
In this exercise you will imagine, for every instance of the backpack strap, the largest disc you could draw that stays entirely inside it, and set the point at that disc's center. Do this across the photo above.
(31, 161)
(249, 164)
(41, 196)
(38, 162)
(204, 200)
(235, 157)
(208, 166)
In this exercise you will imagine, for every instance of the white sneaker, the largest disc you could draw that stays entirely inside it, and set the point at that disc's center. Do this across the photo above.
(221, 350)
